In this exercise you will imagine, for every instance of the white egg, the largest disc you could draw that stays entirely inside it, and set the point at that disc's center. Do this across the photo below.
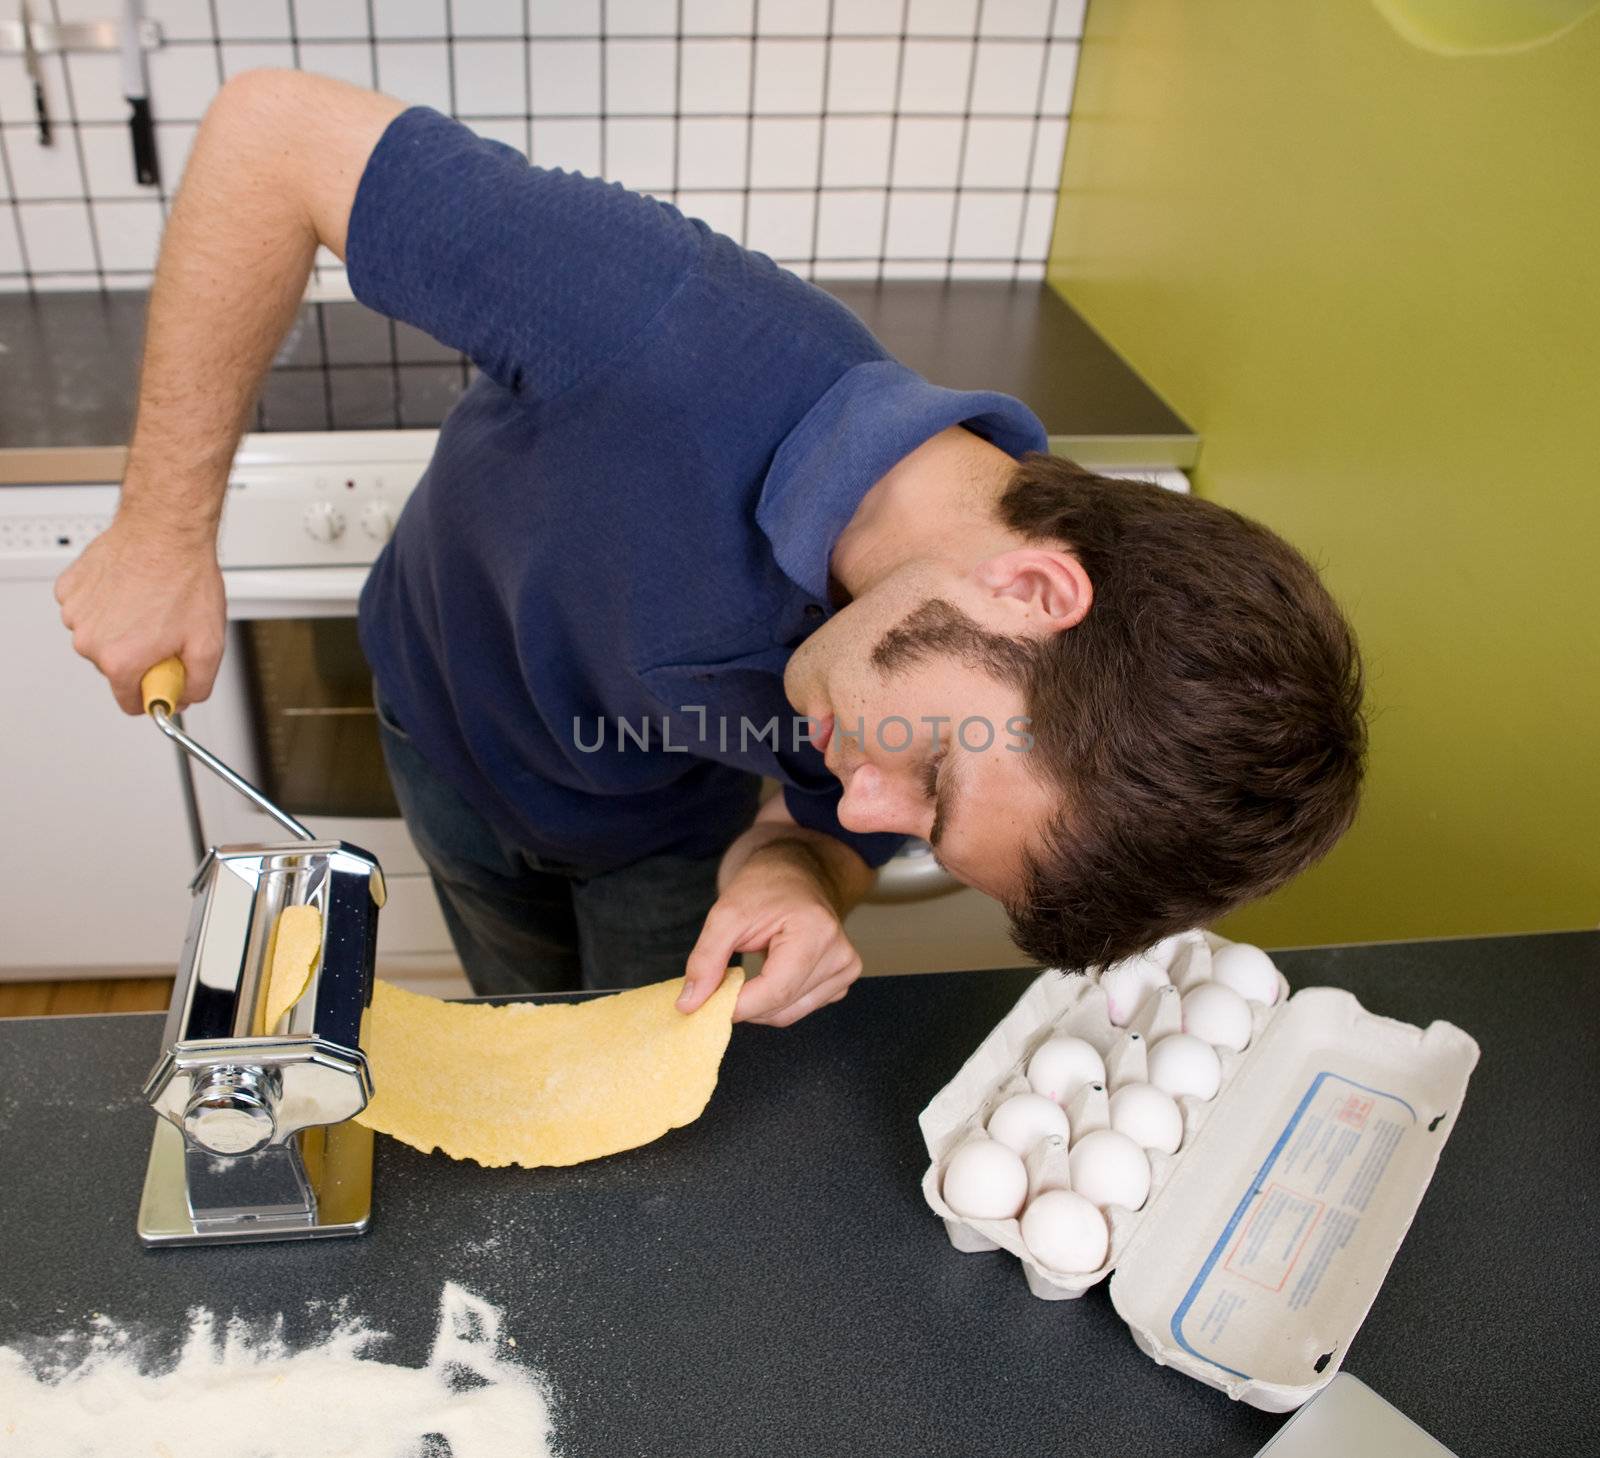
(1127, 984)
(1218, 1015)
(1061, 1066)
(1147, 1115)
(1165, 952)
(1108, 1168)
(1024, 1119)
(1181, 1064)
(1247, 970)
(1192, 964)
(985, 1181)
(1065, 1232)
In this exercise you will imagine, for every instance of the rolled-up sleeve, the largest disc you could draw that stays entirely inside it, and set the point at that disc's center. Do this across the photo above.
(539, 276)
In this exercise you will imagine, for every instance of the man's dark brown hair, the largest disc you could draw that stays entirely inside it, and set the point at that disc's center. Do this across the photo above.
(1203, 721)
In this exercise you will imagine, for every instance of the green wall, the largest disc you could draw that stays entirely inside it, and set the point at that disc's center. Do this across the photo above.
(1370, 276)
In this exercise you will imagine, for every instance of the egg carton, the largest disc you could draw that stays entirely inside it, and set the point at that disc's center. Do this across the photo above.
(1265, 1237)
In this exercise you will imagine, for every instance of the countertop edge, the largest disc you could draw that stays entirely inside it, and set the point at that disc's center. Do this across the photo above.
(61, 465)
(82, 465)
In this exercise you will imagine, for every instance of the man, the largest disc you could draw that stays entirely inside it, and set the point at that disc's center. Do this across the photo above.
(689, 501)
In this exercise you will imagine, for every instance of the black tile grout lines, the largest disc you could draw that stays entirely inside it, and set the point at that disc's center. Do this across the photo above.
(510, 116)
(1026, 193)
(317, 308)
(602, 92)
(750, 125)
(474, 116)
(1033, 136)
(83, 167)
(527, 74)
(167, 182)
(601, 38)
(943, 37)
(294, 52)
(450, 66)
(215, 39)
(677, 97)
(139, 278)
(822, 142)
(450, 46)
(15, 206)
(377, 85)
(961, 144)
(455, 110)
(1029, 195)
(894, 137)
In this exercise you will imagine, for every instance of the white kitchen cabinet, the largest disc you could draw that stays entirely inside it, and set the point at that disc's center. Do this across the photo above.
(95, 857)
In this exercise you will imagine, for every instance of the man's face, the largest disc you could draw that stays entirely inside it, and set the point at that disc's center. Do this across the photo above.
(935, 746)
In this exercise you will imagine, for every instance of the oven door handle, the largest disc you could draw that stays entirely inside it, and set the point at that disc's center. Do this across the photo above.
(293, 592)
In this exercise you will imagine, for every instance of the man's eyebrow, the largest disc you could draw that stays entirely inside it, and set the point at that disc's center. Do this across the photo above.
(944, 799)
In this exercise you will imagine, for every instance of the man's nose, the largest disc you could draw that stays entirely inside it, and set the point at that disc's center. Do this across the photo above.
(874, 801)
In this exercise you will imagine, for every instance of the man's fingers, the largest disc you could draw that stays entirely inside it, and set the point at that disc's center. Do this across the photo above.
(697, 990)
(64, 585)
(708, 962)
(783, 977)
(134, 597)
(124, 671)
(126, 692)
(820, 996)
(200, 664)
(792, 968)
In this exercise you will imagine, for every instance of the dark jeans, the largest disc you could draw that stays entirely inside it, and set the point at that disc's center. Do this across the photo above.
(524, 924)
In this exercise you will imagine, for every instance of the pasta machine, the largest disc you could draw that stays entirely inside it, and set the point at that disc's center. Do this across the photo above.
(256, 1137)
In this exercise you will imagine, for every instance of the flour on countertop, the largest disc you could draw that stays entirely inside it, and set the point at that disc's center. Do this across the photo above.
(239, 1391)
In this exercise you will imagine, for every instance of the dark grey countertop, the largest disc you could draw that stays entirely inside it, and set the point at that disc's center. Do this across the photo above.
(69, 364)
(770, 1281)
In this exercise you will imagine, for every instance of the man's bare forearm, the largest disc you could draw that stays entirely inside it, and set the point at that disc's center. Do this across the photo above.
(272, 175)
(838, 870)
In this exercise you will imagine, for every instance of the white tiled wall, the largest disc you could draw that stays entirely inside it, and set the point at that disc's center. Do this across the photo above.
(847, 138)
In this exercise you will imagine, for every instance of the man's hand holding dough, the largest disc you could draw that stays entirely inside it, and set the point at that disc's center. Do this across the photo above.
(784, 891)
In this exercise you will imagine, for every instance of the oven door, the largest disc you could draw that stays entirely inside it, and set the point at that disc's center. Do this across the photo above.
(292, 711)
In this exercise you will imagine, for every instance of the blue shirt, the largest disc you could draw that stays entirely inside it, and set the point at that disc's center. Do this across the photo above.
(629, 514)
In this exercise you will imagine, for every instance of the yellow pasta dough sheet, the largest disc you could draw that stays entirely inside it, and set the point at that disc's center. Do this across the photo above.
(542, 1083)
(296, 946)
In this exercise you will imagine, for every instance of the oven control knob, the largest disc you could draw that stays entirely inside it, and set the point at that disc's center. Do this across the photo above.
(377, 521)
(323, 523)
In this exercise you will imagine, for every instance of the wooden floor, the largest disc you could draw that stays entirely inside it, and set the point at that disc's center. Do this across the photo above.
(105, 995)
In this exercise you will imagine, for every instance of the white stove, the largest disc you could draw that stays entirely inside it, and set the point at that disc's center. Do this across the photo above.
(304, 518)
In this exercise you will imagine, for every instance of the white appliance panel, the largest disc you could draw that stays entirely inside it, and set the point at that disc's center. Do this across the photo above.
(95, 860)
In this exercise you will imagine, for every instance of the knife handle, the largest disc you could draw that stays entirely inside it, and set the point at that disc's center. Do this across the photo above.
(145, 165)
(43, 114)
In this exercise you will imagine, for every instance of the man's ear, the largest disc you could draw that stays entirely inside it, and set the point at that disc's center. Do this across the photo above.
(1044, 590)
